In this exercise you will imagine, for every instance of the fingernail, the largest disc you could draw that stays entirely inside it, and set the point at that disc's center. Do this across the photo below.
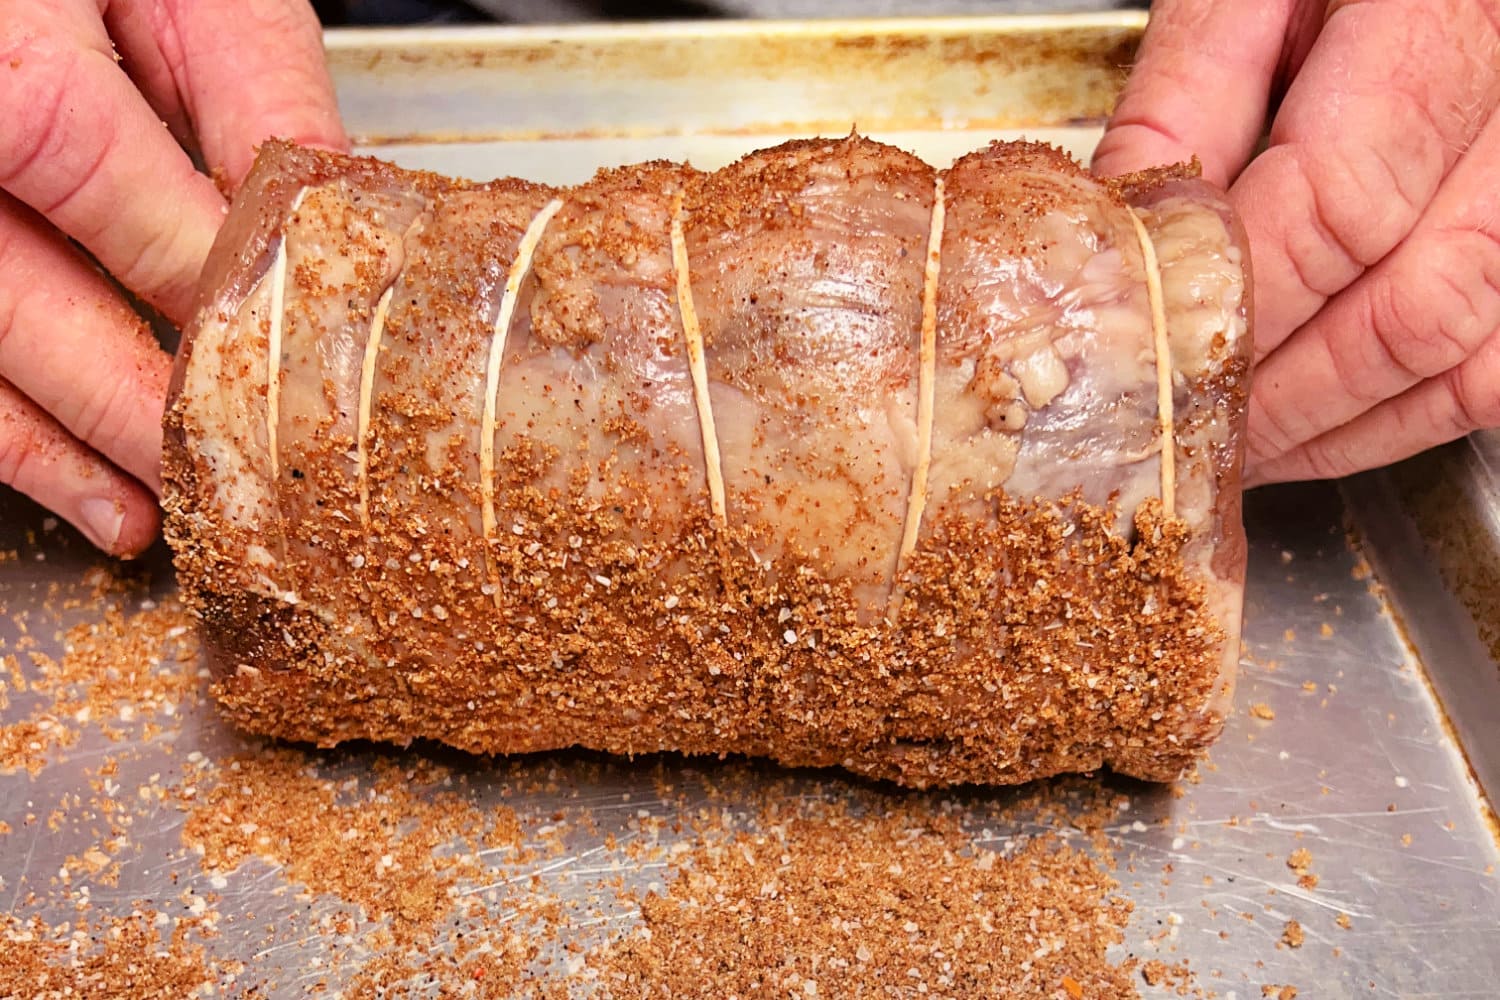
(102, 520)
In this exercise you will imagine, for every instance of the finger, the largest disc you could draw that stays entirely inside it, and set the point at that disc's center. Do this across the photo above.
(1419, 312)
(1387, 101)
(42, 460)
(75, 349)
(1168, 113)
(251, 72)
(149, 48)
(83, 148)
(1464, 399)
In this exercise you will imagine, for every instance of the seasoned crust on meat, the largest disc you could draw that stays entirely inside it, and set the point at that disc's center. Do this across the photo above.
(1052, 615)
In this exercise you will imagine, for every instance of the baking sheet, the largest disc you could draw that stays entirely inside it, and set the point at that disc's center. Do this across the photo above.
(1347, 755)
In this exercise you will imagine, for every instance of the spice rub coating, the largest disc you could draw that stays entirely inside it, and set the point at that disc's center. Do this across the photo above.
(629, 349)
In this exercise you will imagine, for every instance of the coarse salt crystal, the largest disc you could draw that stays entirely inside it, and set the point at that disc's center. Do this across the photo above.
(790, 636)
(671, 602)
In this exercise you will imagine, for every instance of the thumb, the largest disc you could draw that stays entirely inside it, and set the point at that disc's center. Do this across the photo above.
(254, 71)
(1200, 87)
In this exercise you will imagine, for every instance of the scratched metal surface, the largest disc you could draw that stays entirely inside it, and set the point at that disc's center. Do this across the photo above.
(1357, 765)
(1358, 769)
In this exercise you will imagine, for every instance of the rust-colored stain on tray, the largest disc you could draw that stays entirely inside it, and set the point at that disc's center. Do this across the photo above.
(958, 72)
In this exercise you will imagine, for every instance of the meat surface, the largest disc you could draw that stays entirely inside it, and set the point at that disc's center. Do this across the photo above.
(826, 456)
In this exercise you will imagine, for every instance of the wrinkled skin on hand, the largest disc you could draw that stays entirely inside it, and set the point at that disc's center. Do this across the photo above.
(98, 101)
(1373, 215)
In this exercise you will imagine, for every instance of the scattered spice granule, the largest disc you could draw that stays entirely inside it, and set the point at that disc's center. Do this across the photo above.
(120, 957)
(272, 805)
(1292, 935)
(1343, 921)
(1279, 992)
(1262, 711)
(1300, 861)
(1178, 976)
(830, 904)
(1325, 630)
(485, 964)
(115, 669)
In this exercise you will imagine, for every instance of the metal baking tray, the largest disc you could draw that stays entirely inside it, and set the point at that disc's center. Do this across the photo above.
(1360, 764)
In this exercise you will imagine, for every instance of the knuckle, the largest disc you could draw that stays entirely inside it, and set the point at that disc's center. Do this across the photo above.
(1267, 433)
(7, 289)
(156, 270)
(102, 416)
(1464, 264)
(1416, 338)
(35, 104)
(1309, 230)
(1359, 207)
(1441, 309)
(1130, 132)
(20, 448)
(1475, 394)
(1359, 347)
(76, 178)
(42, 118)
(1330, 460)
(1262, 441)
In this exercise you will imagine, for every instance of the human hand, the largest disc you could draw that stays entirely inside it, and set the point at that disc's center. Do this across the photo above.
(1373, 215)
(91, 152)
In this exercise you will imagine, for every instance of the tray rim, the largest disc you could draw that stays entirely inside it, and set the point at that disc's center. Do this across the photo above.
(344, 39)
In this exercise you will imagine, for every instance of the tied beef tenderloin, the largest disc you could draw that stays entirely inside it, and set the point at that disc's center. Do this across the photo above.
(826, 456)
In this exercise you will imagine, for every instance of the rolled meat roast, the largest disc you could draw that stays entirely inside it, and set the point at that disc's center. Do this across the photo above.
(826, 456)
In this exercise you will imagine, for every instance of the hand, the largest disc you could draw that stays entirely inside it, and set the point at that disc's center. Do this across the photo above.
(92, 151)
(1373, 215)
